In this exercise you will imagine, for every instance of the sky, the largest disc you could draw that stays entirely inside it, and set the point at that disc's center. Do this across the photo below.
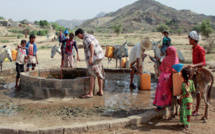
(53, 10)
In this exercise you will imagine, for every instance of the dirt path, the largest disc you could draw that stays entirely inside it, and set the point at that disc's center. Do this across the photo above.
(171, 126)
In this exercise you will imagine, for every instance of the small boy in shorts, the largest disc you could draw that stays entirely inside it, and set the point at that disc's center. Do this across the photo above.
(31, 51)
(20, 61)
(68, 55)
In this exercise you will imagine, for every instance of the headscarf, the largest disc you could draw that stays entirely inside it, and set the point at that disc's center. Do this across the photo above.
(170, 60)
(194, 35)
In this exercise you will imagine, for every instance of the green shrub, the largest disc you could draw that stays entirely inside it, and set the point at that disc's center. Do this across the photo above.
(206, 28)
(43, 32)
(19, 36)
(43, 47)
(34, 32)
(13, 35)
(4, 41)
(196, 28)
(117, 29)
(15, 31)
(162, 28)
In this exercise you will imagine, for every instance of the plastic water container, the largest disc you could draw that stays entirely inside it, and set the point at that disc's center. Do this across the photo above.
(14, 54)
(145, 81)
(6, 59)
(177, 83)
(123, 62)
(109, 52)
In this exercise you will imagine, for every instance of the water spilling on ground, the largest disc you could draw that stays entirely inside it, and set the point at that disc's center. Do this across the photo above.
(118, 101)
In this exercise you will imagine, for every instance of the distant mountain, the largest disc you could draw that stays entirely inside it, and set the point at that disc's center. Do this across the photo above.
(100, 15)
(69, 23)
(146, 15)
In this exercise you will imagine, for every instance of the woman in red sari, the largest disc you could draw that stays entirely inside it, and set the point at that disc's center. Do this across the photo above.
(163, 95)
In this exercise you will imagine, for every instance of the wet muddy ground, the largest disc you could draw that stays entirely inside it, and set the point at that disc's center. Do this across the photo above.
(18, 109)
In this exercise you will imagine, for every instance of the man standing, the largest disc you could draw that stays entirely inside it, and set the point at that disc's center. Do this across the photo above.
(198, 61)
(93, 58)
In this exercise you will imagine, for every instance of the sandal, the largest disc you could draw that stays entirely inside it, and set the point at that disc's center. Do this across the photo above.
(99, 94)
(194, 113)
(86, 96)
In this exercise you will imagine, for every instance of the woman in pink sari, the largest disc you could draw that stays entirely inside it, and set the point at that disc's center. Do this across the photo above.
(163, 95)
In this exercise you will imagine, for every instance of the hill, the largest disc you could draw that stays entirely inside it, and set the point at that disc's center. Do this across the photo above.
(101, 14)
(146, 15)
(73, 23)
(69, 23)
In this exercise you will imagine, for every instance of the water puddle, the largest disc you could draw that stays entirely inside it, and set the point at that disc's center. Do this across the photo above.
(118, 98)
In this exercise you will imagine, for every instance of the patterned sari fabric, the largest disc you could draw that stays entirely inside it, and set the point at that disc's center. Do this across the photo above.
(186, 105)
(163, 95)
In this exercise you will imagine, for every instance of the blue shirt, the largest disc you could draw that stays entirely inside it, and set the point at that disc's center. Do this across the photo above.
(34, 48)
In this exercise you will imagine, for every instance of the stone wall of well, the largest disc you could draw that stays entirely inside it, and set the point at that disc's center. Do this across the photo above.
(39, 87)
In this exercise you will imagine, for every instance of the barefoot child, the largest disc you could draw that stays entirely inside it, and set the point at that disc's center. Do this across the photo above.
(20, 61)
(68, 55)
(31, 51)
(186, 99)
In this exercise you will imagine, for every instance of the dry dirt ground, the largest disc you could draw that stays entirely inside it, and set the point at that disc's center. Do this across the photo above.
(45, 61)
(170, 126)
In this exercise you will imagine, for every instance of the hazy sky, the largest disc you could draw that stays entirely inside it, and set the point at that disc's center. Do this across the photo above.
(52, 10)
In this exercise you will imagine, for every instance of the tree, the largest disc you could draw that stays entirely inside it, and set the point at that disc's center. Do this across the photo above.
(117, 29)
(1, 18)
(206, 28)
(161, 28)
(55, 25)
(43, 23)
(41, 33)
(197, 28)
(179, 31)
(36, 23)
(26, 32)
(34, 32)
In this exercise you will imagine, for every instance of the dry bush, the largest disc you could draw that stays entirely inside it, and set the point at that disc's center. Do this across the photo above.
(210, 46)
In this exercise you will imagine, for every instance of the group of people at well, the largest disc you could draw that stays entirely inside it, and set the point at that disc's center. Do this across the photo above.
(27, 53)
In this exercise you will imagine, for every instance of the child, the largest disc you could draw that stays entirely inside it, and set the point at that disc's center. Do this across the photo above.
(31, 51)
(68, 55)
(186, 98)
(20, 61)
(166, 44)
(62, 36)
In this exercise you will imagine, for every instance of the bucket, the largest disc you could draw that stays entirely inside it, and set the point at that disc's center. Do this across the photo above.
(123, 62)
(145, 81)
(109, 52)
(14, 54)
(177, 83)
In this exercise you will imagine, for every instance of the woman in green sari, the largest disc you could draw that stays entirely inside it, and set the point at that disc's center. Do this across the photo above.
(186, 99)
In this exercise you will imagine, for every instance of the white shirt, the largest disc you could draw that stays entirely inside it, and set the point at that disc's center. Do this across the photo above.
(21, 56)
(136, 52)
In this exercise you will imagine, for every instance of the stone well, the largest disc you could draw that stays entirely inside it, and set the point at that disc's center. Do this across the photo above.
(41, 84)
